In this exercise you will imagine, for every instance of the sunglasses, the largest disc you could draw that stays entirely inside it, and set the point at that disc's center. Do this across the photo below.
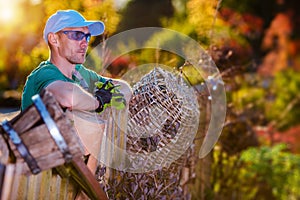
(77, 35)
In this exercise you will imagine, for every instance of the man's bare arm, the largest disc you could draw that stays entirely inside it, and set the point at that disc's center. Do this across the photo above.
(72, 96)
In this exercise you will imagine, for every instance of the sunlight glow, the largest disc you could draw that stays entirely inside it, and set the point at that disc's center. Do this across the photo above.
(6, 14)
(9, 11)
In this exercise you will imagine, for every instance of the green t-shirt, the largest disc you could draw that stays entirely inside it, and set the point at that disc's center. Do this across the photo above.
(47, 73)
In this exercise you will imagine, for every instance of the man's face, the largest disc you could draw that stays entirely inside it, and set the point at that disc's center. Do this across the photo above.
(73, 44)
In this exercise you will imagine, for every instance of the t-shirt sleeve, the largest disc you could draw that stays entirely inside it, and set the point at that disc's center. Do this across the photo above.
(37, 81)
(46, 76)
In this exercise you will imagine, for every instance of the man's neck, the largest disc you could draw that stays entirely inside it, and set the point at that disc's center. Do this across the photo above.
(64, 66)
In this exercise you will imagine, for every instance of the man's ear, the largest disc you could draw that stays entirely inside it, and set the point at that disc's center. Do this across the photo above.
(53, 39)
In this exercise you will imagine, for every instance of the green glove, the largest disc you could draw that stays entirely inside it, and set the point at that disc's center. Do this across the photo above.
(118, 101)
(103, 96)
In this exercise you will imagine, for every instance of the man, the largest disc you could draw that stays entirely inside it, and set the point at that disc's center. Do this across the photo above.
(67, 34)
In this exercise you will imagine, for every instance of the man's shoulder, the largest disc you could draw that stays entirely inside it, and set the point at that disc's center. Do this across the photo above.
(45, 68)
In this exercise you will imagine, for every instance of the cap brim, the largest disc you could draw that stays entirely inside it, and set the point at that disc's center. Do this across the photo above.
(95, 27)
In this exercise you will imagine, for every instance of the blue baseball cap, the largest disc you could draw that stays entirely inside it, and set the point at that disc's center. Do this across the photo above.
(70, 19)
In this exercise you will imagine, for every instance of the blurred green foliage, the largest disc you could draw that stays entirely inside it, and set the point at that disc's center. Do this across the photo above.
(259, 173)
(275, 167)
(284, 108)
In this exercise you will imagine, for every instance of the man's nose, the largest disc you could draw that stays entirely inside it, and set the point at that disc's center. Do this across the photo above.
(83, 43)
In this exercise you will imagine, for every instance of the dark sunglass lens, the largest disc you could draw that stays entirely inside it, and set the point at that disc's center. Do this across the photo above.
(78, 35)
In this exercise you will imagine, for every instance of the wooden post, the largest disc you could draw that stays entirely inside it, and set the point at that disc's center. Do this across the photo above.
(37, 138)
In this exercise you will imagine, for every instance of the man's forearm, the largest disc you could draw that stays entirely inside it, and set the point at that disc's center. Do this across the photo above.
(72, 96)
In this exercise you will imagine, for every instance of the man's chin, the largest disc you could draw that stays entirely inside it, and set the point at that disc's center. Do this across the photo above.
(79, 62)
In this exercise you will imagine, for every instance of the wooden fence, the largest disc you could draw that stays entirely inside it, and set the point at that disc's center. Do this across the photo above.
(42, 159)
(79, 177)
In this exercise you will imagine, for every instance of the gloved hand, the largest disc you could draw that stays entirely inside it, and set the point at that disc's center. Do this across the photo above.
(118, 101)
(117, 98)
(103, 95)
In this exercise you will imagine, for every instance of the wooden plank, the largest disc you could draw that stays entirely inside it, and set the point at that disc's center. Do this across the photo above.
(2, 175)
(63, 188)
(53, 160)
(4, 151)
(44, 191)
(36, 135)
(26, 120)
(55, 183)
(38, 140)
(33, 184)
(10, 182)
(16, 181)
(23, 188)
(39, 137)
(4, 189)
(82, 175)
